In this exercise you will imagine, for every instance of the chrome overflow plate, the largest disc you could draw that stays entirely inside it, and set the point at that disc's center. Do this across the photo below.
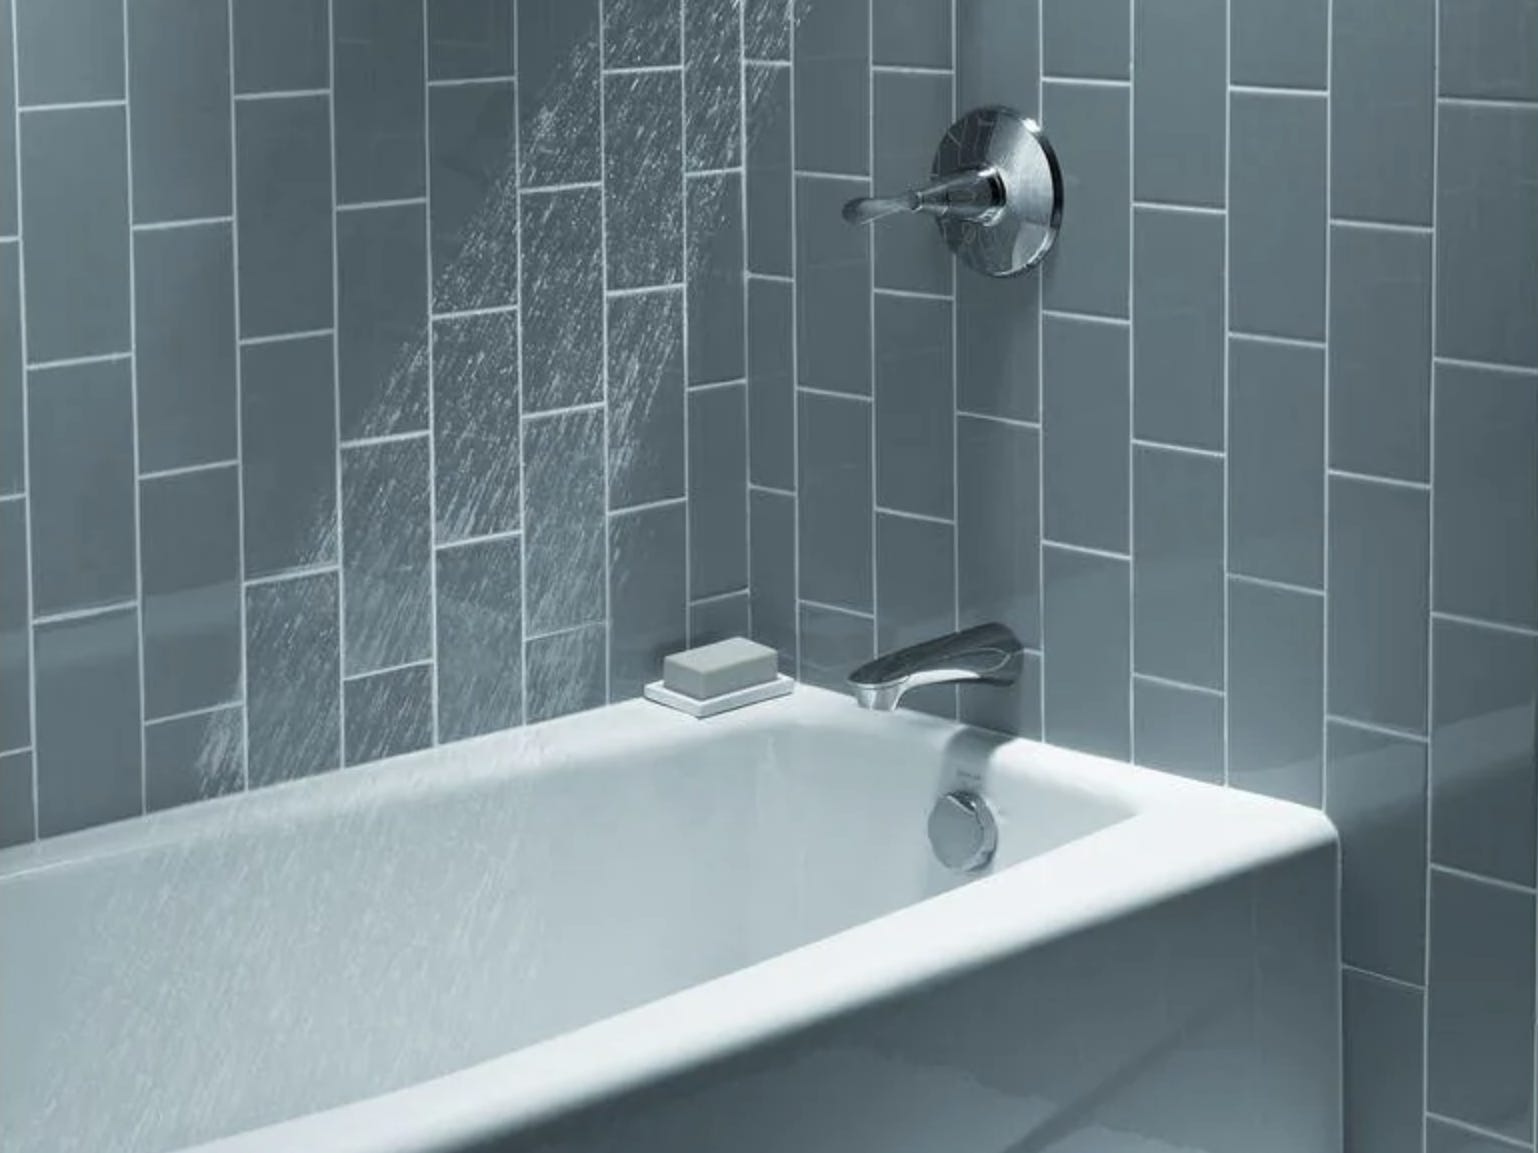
(963, 832)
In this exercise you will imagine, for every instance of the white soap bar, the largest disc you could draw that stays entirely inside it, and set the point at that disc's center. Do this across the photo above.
(721, 668)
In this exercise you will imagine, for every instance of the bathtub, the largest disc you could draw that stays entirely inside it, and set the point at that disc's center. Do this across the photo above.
(632, 931)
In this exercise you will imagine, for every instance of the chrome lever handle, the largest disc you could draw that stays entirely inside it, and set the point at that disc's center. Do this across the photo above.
(977, 194)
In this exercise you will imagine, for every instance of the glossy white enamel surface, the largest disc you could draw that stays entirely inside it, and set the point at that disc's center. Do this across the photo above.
(484, 945)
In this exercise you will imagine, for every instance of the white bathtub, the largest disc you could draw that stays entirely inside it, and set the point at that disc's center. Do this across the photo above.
(632, 931)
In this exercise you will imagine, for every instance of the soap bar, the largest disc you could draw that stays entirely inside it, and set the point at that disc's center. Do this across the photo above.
(724, 667)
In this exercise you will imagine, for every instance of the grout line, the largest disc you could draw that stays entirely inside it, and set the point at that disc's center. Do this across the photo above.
(1182, 209)
(1372, 478)
(371, 205)
(281, 337)
(16, 752)
(570, 186)
(184, 470)
(712, 385)
(1480, 622)
(1181, 449)
(830, 394)
(133, 386)
(642, 290)
(1086, 550)
(1479, 1131)
(1130, 301)
(769, 488)
(795, 352)
(911, 294)
(421, 662)
(432, 378)
(1089, 317)
(1172, 683)
(207, 710)
(1041, 407)
(293, 574)
(1380, 729)
(816, 174)
(547, 413)
(871, 241)
(955, 371)
(762, 62)
(1228, 152)
(9, 497)
(190, 222)
(386, 438)
(473, 313)
(65, 616)
(1279, 586)
(1384, 977)
(1271, 338)
(648, 506)
(911, 70)
(518, 317)
(291, 93)
(825, 607)
(78, 105)
(1489, 102)
(714, 597)
(336, 399)
(903, 514)
(240, 394)
(639, 69)
(1489, 365)
(688, 405)
(566, 631)
(1480, 878)
(470, 541)
(472, 81)
(995, 418)
(1276, 90)
(603, 339)
(1086, 81)
(78, 361)
(705, 173)
(1380, 226)
(744, 97)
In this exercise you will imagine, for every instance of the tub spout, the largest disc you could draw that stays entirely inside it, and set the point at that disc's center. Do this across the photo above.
(989, 654)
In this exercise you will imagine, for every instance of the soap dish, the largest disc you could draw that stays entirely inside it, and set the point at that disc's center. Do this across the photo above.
(700, 708)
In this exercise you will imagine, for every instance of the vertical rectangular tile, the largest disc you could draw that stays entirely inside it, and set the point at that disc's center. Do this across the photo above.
(88, 774)
(772, 573)
(284, 229)
(1479, 1007)
(1276, 222)
(1280, 45)
(288, 455)
(646, 398)
(179, 87)
(712, 83)
(15, 634)
(642, 33)
(1179, 115)
(1178, 730)
(194, 758)
(917, 34)
(386, 555)
(771, 383)
(1383, 1051)
(833, 644)
(475, 426)
(916, 594)
(1276, 691)
(835, 501)
(82, 517)
(558, 79)
(1378, 801)
(379, 97)
(293, 678)
(833, 333)
(470, 39)
(473, 205)
(718, 483)
(1378, 581)
(382, 320)
(69, 50)
(649, 610)
(998, 527)
(13, 380)
(915, 451)
(282, 45)
(766, 29)
(74, 195)
(190, 564)
(562, 299)
(1091, 39)
(830, 72)
(1380, 352)
(17, 825)
(912, 111)
(998, 54)
(1085, 428)
(720, 618)
(480, 638)
(715, 246)
(389, 713)
(643, 180)
(998, 346)
(184, 344)
(1086, 642)
(1485, 49)
(769, 174)
(1177, 340)
(1177, 557)
(566, 672)
(1091, 131)
(564, 532)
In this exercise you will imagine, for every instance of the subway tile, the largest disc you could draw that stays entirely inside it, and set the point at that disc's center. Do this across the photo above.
(184, 326)
(13, 381)
(566, 672)
(386, 555)
(719, 619)
(1086, 645)
(1487, 229)
(389, 713)
(718, 480)
(1178, 730)
(282, 45)
(1088, 268)
(912, 112)
(641, 33)
(559, 97)
(69, 50)
(562, 299)
(1276, 214)
(771, 384)
(17, 825)
(382, 353)
(15, 636)
(1486, 497)
(194, 758)
(74, 193)
(1177, 558)
(915, 450)
(1484, 750)
(1450, 1137)
(998, 353)
(87, 774)
(643, 182)
(833, 326)
(1180, 118)
(1380, 352)
(378, 99)
(1485, 49)
(990, 67)
(564, 530)
(1378, 583)
(715, 292)
(288, 455)
(1087, 38)
(293, 678)
(8, 182)
(769, 174)
(772, 573)
(831, 77)
(475, 426)
(1276, 692)
(1280, 45)
(1013, 709)
(1479, 1009)
(648, 598)
(480, 638)
(646, 398)
(833, 644)
(766, 29)
(1085, 424)
(179, 86)
(470, 39)
(1382, 101)
(284, 227)
(835, 501)
(190, 568)
(82, 518)
(916, 594)
(1177, 339)
(915, 33)
(712, 84)
(1383, 1052)
(998, 527)
(473, 207)
(1276, 398)
(1378, 801)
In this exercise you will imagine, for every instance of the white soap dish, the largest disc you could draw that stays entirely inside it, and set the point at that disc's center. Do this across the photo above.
(700, 708)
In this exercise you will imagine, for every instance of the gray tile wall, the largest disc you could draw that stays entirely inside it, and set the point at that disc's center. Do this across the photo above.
(372, 375)
(1251, 465)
